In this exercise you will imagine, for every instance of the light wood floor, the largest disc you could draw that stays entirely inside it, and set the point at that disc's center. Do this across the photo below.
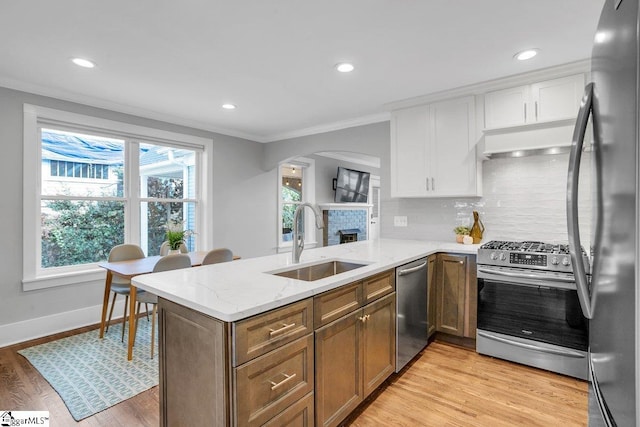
(451, 386)
(446, 386)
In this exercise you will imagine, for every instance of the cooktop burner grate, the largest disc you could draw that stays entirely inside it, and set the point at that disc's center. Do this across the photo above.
(527, 246)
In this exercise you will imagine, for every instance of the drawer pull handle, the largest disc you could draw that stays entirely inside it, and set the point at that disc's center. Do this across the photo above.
(285, 327)
(287, 378)
(364, 318)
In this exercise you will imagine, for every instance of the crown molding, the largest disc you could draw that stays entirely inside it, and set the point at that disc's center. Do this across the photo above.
(329, 127)
(582, 66)
(120, 108)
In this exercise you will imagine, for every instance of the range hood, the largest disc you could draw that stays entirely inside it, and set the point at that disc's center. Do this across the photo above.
(529, 140)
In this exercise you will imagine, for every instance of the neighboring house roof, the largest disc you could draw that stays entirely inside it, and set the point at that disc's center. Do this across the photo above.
(72, 148)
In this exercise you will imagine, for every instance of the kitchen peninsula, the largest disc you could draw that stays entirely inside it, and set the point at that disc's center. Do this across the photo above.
(241, 345)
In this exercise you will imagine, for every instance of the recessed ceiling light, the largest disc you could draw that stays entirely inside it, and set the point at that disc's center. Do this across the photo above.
(344, 67)
(526, 54)
(229, 106)
(83, 62)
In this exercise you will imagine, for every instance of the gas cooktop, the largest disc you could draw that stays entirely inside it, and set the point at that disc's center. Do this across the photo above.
(527, 246)
(527, 254)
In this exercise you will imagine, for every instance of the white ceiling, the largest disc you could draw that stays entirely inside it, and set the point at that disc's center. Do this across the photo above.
(180, 60)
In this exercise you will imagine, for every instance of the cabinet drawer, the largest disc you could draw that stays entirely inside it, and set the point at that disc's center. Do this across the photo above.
(334, 304)
(271, 383)
(300, 414)
(379, 286)
(262, 333)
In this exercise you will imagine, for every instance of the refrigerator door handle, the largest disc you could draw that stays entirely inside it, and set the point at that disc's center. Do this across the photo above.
(575, 246)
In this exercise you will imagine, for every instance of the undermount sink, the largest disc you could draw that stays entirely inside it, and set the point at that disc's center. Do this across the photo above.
(313, 272)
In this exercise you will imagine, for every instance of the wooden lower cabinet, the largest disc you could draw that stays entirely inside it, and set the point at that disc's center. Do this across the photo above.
(338, 374)
(456, 297)
(194, 373)
(270, 384)
(379, 342)
(432, 303)
(354, 355)
(309, 363)
(300, 414)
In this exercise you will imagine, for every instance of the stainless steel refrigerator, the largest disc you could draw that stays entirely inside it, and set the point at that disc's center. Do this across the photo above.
(609, 295)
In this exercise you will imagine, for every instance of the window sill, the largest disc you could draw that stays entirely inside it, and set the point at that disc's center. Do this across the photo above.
(63, 279)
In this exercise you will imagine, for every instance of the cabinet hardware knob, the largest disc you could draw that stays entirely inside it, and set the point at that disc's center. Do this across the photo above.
(287, 378)
(461, 262)
(364, 318)
(284, 328)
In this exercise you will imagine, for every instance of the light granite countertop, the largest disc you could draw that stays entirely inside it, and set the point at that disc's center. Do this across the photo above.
(235, 290)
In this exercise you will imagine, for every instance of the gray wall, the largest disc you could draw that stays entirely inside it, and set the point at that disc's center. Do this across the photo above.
(241, 190)
(326, 169)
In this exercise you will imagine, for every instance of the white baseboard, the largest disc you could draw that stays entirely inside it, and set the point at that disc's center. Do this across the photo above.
(26, 330)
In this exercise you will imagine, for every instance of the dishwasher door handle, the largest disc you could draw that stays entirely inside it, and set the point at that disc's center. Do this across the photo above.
(412, 269)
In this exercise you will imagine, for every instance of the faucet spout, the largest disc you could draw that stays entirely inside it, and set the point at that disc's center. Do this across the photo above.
(298, 231)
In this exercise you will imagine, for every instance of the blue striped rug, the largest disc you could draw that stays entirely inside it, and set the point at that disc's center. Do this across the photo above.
(92, 374)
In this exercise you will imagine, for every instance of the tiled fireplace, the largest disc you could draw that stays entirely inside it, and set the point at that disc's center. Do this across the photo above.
(344, 224)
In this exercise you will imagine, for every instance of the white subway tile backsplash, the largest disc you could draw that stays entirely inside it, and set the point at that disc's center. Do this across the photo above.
(524, 199)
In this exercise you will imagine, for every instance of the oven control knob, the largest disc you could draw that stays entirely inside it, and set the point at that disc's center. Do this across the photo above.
(565, 261)
(503, 257)
(555, 261)
(493, 256)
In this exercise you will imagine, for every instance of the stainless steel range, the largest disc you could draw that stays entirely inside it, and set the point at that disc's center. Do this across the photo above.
(528, 307)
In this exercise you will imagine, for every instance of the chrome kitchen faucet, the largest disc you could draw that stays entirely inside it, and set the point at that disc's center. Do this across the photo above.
(298, 234)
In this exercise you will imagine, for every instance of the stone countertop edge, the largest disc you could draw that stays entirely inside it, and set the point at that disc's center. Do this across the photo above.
(239, 289)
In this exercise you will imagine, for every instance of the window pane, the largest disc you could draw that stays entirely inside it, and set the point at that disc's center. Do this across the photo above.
(288, 210)
(79, 232)
(65, 155)
(291, 183)
(167, 172)
(154, 218)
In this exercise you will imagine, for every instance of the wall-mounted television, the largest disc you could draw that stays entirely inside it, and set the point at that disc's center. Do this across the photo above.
(351, 186)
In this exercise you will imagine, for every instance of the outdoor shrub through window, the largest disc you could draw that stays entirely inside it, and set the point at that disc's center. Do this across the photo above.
(84, 200)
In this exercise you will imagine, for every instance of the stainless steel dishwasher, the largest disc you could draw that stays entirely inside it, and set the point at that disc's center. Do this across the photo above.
(411, 311)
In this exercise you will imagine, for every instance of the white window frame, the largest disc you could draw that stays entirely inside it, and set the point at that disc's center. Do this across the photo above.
(35, 117)
(308, 166)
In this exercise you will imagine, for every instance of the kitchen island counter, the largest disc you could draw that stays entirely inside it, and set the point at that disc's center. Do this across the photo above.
(236, 290)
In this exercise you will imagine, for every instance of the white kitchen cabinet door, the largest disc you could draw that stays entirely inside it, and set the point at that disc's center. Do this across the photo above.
(409, 142)
(433, 150)
(558, 98)
(542, 102)
(452, 155)
(506, 107)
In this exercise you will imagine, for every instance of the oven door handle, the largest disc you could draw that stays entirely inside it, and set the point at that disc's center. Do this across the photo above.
(563, 352)
(547, 278)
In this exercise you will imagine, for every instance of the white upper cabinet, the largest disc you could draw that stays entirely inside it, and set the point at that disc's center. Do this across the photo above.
(433, 150)
(557, 99)
(506, 107)
(547, 101)
(409, 137)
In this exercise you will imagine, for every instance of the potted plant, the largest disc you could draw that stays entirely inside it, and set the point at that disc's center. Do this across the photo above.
(461, 231)
(176, 235)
